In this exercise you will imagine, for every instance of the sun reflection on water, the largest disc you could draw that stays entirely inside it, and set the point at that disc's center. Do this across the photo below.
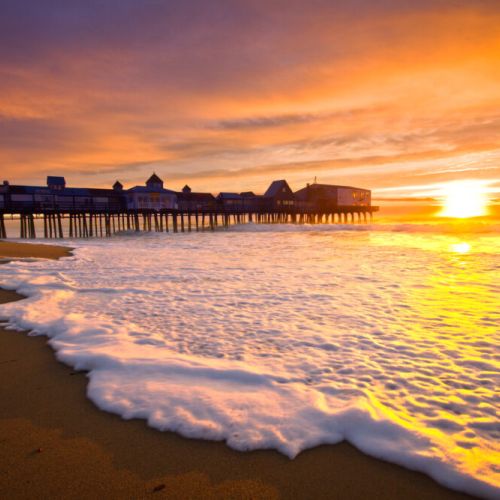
(446, 388)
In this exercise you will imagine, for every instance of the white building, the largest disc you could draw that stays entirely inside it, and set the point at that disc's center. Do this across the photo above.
(152, 196)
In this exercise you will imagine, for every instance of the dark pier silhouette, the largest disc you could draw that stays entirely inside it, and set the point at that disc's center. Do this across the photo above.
(89, 223)
(56, 211)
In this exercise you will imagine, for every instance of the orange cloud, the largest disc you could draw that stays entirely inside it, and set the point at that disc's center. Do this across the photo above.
(228, 98)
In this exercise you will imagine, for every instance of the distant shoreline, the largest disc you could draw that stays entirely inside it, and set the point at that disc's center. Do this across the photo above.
(56, 443)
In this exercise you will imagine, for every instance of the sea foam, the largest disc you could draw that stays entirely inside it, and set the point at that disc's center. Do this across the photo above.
(286, 337)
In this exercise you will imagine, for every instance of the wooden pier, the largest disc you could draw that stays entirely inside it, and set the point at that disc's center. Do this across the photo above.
(89, 224)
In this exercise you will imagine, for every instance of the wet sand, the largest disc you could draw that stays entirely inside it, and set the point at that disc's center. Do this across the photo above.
(54, 443)
(25, 250)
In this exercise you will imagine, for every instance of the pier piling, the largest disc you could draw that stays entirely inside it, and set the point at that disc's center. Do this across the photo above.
(89, 224)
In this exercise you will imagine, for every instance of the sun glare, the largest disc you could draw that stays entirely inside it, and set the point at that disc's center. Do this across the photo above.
(462, 199)
(462, 247)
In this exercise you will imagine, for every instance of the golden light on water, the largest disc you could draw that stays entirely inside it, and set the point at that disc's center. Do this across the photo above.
(462, 199)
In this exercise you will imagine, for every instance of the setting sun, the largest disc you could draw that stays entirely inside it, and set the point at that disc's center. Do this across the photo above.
(462, 199)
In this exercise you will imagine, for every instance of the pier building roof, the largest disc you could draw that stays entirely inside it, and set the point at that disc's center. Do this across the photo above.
(276, 188)
(154, 179)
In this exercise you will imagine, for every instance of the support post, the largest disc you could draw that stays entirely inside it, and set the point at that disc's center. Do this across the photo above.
(174, 221)
(59, 226)
(3, 232)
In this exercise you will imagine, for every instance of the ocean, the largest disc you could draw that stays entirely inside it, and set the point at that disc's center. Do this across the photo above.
(287, 337)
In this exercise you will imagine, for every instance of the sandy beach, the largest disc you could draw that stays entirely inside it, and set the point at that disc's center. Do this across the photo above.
(32, 250)
(54, 443)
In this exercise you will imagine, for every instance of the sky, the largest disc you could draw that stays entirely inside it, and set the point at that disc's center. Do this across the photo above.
(227, 95)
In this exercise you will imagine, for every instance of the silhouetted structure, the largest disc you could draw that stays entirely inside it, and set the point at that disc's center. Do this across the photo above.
(152, 196)
(101, 212)
(187, 200)
(329, 197)
(279, 195)
(230, 201)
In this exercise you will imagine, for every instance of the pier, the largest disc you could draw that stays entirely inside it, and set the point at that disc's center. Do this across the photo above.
(89, 223)
(58, 211)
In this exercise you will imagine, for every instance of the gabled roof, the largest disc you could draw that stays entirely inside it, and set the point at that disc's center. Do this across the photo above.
(276, 187)
(247, 194)
(54, 180)
(154, 179)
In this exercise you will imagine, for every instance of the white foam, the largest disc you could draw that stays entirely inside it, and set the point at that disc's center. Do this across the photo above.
(286, 337)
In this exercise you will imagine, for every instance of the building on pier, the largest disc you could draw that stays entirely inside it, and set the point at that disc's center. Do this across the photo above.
(279, 196)
(57, 197)
(55, 183)
(230, 201)
(187, 200)
(325, 197)
(254, 202)
(152, 196)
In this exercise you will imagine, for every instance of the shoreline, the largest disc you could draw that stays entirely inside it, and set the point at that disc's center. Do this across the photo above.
(56, 443)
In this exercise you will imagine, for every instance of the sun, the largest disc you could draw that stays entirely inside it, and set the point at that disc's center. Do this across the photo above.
(462, 199)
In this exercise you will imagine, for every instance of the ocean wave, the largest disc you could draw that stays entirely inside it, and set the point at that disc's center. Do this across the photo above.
(267, 340)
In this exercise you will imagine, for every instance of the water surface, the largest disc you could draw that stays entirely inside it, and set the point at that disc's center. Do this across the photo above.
(287, 337)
